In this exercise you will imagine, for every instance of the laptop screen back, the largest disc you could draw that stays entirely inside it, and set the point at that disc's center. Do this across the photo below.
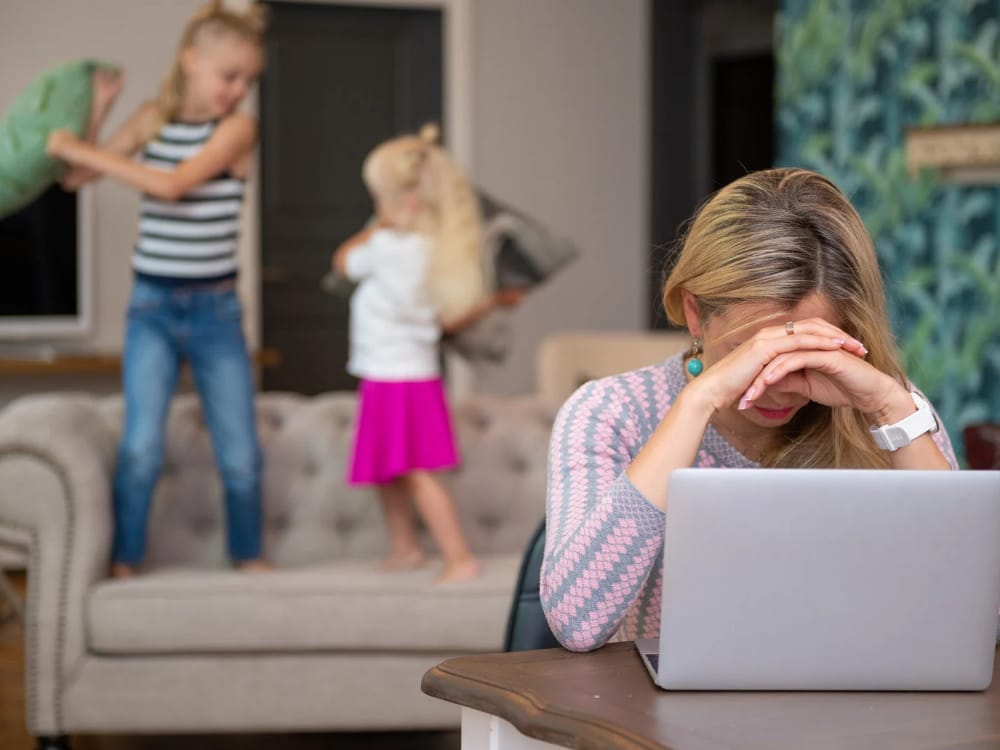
(830, 579)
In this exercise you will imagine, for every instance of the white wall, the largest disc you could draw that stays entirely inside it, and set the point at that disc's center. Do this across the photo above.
(559, 130)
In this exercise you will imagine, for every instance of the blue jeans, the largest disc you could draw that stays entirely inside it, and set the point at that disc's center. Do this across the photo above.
(165, 326)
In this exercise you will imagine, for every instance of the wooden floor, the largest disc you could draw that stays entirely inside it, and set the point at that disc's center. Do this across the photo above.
(13, 735)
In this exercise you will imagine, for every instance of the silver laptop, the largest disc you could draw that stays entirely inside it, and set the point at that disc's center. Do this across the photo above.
(809, 579)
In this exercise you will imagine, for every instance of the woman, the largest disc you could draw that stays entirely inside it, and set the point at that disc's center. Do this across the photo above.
(792, 364)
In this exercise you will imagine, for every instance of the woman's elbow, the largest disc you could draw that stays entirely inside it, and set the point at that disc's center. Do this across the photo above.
(576, 642)
(570, 638)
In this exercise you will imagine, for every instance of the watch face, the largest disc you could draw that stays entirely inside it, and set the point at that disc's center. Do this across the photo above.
(898, 437)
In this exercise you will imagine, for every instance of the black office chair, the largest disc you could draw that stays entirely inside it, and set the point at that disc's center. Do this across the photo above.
(527, 627)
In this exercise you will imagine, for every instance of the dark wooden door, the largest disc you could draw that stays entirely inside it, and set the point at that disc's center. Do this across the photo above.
(339, 80)
(742, 116)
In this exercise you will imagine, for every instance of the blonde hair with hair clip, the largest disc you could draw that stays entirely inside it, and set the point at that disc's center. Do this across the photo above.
(776, 237)
(449, 211)
(213, 19)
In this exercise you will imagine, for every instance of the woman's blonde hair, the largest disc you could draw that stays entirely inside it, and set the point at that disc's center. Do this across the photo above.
(211, 20)
(776, 237)
(449, 212)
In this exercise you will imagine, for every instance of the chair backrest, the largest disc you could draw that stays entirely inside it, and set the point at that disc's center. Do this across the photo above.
(527, 627)
(566, 361)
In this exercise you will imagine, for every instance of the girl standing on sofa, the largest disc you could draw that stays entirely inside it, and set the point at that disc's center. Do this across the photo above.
(420, 272)
(196, 151)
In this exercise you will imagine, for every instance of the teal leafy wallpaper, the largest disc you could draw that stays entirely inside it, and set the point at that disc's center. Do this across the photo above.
(852, 74)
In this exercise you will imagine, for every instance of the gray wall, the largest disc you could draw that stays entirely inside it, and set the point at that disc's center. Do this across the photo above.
(559, 131)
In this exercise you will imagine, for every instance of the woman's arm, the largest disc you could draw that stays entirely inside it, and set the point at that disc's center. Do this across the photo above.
(233, 138)
(837, 379)
(602, 537)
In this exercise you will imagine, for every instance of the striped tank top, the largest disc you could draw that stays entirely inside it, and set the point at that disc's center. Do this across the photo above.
(192, 239)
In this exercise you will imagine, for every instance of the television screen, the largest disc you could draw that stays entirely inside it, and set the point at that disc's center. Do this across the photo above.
(40, 259)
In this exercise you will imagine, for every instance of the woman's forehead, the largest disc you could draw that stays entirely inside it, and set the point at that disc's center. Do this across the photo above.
(752, 316)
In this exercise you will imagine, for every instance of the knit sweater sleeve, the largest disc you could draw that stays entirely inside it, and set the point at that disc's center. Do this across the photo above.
(602, 536)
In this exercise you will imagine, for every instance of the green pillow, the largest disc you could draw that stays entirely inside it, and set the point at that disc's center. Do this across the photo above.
(59, 98)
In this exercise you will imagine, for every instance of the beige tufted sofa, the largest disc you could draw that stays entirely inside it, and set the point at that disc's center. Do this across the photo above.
(326, 642)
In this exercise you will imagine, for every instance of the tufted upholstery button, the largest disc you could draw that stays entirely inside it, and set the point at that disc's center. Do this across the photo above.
(345, 525)
(518, 465)
(204, 526)
(343, 422)
(488, 521)
(278, 523)
(311, 469)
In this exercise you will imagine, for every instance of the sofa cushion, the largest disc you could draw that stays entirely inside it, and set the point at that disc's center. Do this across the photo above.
(346, 606)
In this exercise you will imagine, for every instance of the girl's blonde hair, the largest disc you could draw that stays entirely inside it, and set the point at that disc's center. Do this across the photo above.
(776, 237)
(211, 20)
(448, 210)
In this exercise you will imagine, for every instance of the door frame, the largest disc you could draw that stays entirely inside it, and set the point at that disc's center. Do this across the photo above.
(457, 102)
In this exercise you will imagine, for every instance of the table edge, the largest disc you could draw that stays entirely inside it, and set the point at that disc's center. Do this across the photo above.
(528, 714)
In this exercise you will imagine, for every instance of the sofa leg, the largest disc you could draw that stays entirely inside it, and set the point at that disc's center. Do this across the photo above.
(57, 742)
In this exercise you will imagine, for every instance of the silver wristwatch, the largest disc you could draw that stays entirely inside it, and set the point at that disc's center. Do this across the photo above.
(891, 437)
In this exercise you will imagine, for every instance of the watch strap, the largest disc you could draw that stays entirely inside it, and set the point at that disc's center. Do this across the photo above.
(892, 437)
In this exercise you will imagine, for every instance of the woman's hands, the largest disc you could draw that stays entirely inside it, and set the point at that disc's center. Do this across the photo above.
(832, 377)
(737, 377)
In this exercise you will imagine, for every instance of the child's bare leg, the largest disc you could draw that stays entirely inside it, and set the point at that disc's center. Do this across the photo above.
(404, 547)
(438, 513)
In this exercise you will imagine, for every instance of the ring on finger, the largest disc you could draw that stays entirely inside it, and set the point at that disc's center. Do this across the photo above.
(790, 327)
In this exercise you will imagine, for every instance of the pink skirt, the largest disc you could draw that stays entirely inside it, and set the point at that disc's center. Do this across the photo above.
(401, 426)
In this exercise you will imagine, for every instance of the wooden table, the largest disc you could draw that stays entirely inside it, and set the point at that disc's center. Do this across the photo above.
(606, 699)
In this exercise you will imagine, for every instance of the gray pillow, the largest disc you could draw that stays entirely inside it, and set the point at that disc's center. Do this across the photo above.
(525, 253)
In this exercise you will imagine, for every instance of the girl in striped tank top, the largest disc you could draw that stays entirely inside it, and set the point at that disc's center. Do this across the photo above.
(195, 155)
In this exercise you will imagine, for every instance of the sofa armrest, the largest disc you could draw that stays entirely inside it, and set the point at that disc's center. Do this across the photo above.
(56, 455)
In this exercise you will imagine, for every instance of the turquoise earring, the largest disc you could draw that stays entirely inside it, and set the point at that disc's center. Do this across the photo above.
(694, 364)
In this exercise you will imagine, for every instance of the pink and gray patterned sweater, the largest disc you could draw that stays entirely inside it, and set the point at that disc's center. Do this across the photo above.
(602, 573)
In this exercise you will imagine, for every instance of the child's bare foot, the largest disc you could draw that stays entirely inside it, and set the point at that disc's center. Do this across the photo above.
(409, 560)
(463, 570)
(121, 570)
(257, 565)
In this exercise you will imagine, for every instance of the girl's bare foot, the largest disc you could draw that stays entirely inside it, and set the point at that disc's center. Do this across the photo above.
(409, 560)
(462, 570)
(121, 570)
(257, 565)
